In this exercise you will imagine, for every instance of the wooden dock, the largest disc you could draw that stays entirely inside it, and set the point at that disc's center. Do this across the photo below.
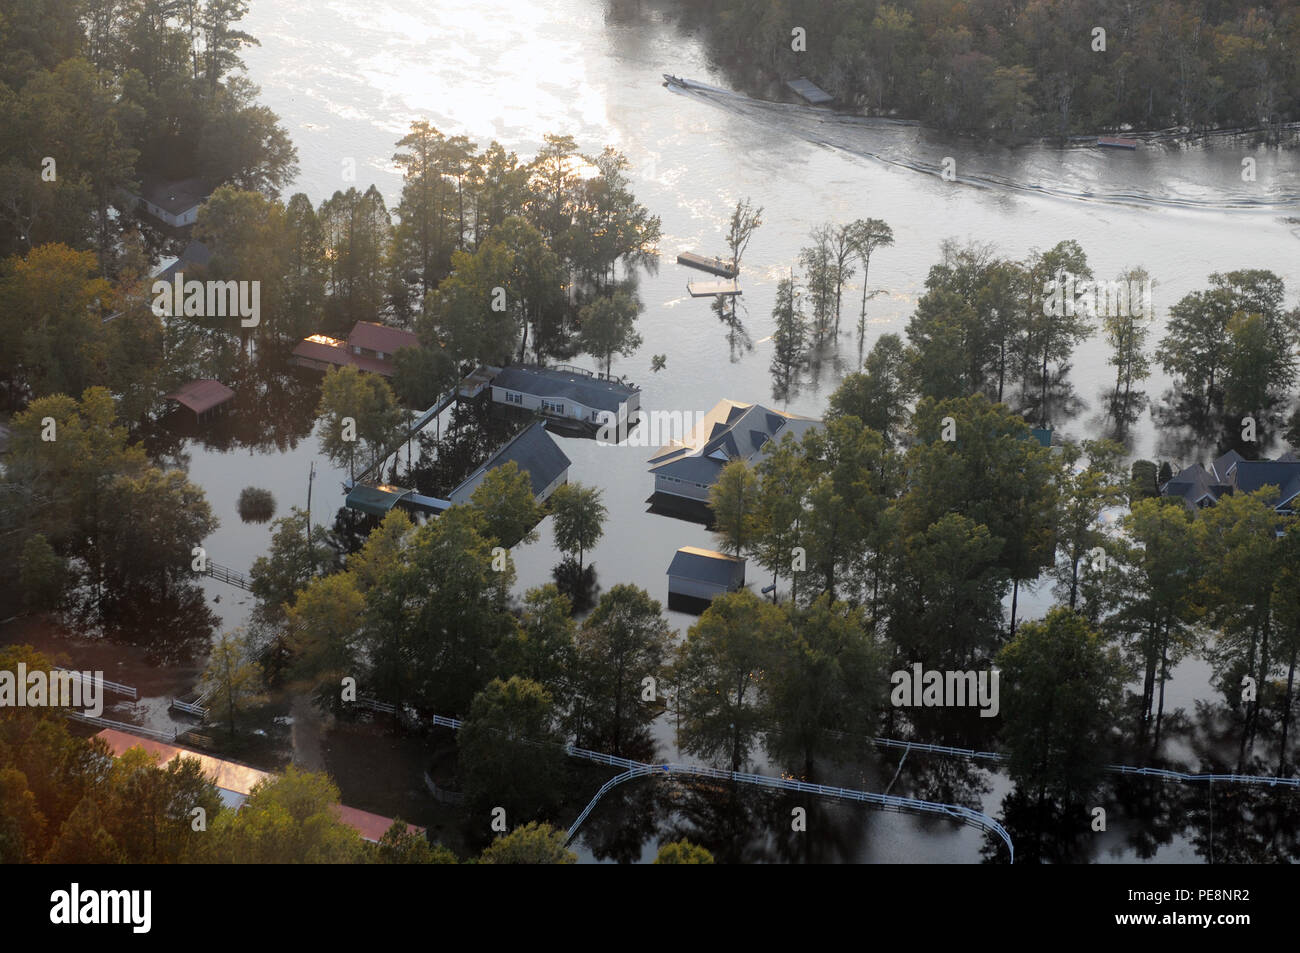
(1117, 142)
(708, 289)
(813, 94)
(714, 266)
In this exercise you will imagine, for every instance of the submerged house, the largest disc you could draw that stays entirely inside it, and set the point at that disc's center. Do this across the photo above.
(730, 431)
(202, 397)
(703, 574)
(369, 347)
(1200, 486)
(564, 392)
(535, 452)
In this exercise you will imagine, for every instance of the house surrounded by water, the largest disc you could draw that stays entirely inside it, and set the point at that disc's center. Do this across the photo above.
(535, 452)
(369, 347)
(564, 392)
(730, 431)
(1200, 486)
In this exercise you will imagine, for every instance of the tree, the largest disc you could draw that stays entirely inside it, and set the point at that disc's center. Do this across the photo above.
(1051, 332)
(505, 500)
(402, 845)
(543, 647)
(607, 326)
(823, 684)
(733, 501)
(324, 623)
(289, 565)
(1060, 688)
(682, 852)
(232, 676)
(292, 818)
(1126, 333)
(865, 236)
(510, 751)
(1086, 491)
(745, 220)
(358, 413)
(623, 641)
(42, 575)
(719, 674)
(533, 843)
(579, 518)
(819, 264)
(790, 337)
(880, 394)
(783, 481)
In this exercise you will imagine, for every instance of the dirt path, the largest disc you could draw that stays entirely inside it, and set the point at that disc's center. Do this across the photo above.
(307, 733)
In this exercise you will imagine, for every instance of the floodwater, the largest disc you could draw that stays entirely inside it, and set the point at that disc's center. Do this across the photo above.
(348, 78)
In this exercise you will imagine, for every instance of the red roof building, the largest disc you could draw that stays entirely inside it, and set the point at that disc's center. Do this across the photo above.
(369, 347)
(202, 396)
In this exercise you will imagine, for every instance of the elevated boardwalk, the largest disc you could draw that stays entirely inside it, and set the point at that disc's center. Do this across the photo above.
(714, 266)
(709, 289)
(227, 575)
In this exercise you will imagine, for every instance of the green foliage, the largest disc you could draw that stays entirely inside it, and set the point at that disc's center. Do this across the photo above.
(255, 504)
(505, 502)
(733, 501)
(607, 326)
(233, 677)
(720, 673)
(1060, 685)
(625, 639)
(682, 852)
(579, 517)
(533, 843)
(42, 575)
(360, 417)
(287, 819)
(510, 751)
(401, 845)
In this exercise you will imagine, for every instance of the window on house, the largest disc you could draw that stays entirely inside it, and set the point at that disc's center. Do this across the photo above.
(552, 407)
(513, 398)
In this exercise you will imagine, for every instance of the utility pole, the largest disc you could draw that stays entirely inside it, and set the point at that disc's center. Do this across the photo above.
(310, 477)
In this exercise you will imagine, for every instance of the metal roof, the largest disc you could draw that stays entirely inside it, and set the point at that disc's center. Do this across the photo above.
(380, 337)
(707, 565)
(730, 430)
(202, 395)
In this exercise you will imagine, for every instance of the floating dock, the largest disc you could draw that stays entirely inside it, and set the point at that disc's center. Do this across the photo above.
(813, 94)
(1117, 142)
(714, 266)
(708, 289)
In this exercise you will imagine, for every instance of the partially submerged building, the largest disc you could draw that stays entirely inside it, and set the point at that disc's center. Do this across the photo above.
(1200, 486)
(564, 393)
(369, 347)
(704, 574)
(204, 398)
(535, 452)
(730, 431)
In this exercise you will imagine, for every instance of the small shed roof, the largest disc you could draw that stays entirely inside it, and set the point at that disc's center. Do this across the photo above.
(202, 395)
(707, 565)
(814, 94)
(376, 500)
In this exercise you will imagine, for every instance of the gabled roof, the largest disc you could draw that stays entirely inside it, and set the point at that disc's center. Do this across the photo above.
(552, 383)
(380, 337)
(376, 500)
(1222, 468)
(533, 451)
(195, 255)
(707, 565)
(729, 431)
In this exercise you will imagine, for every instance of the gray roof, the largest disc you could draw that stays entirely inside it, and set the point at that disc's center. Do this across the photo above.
(195, 253)
(705, 565)
(175, 195)
(534, 452)
(1222, 467)
(552, 383)
(747, 431)
(1253, 474)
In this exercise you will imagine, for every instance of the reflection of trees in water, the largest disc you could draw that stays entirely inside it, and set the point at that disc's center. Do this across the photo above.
(1151, 811)
(577, 582)
(446, 458)
(624, 820)
(732, 317)
(1241, 824)
(274, 408)
(745, 825)
(174, 627)
(1044, 831)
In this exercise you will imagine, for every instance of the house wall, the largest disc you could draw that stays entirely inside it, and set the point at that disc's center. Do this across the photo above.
(685, 586)
(673, 487)
(573, 410)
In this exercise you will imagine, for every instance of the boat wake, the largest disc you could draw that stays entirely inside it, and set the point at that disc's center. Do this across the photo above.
(1149, 177)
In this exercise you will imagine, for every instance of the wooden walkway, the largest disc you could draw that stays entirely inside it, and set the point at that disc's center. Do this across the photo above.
(714, 266)
(227, 575)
